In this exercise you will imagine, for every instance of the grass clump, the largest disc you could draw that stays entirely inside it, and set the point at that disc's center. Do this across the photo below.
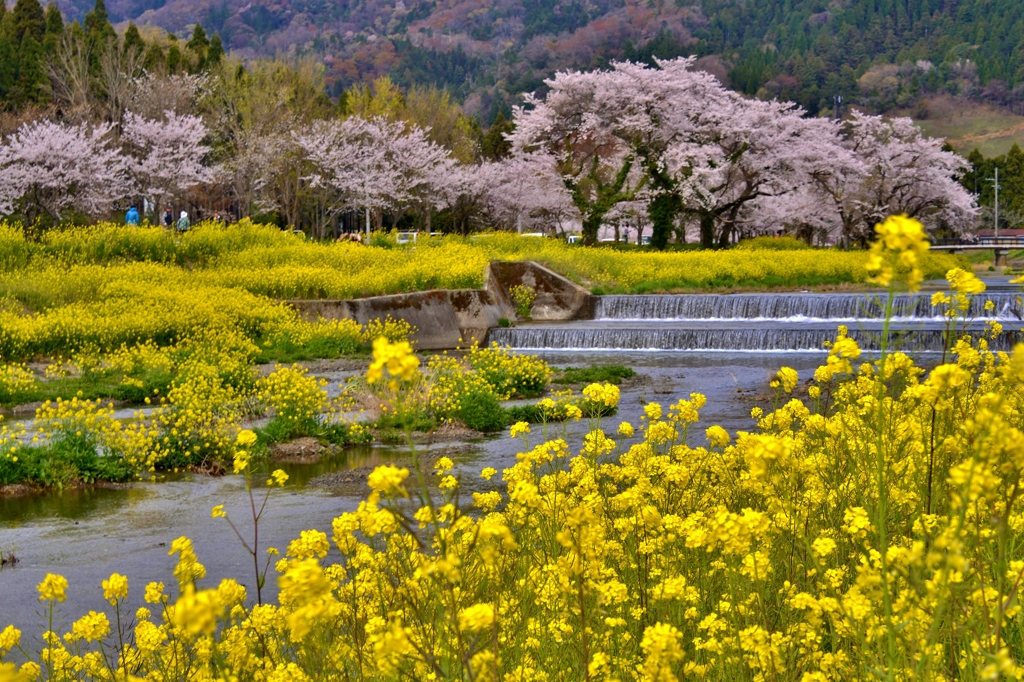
(612, 374)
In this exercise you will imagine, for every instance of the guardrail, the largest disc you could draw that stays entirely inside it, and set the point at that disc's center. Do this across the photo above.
(980, 243)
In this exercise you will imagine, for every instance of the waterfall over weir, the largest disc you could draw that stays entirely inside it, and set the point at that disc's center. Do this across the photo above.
(1008, 306)
(595, 336)
(761, 322)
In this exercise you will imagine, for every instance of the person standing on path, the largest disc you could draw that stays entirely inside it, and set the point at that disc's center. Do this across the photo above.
(168, 218)
(132, 217)
(183, 223)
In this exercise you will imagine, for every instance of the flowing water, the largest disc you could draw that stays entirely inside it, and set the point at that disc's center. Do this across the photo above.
(763, 322)
(794, 307)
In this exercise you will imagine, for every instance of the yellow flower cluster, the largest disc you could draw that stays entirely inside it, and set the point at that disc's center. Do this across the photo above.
(792, 552)
(395, 358)
(451, 382)
(650, 272)
(108, 286)
(900, 245)
(389, 328)
(296, 397)
(509, 373)
(606, 394)
(15, 379)
(785, 379)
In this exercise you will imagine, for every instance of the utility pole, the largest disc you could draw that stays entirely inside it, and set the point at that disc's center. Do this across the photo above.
(995, 180)
(837, 100)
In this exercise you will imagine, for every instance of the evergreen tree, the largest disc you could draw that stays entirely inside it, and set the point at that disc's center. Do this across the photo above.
(174, 59)
(972, 180)
(132, 37)
(27, 20)
(1013, 186)
(198, 45)
(31, 73)
(494, 146)
(199, 41)
(97, 25)
(155, 59)
(54, 28)
(8, 66)
(215, 53)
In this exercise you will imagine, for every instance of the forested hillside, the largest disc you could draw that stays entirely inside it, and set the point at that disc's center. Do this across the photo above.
(879, 54)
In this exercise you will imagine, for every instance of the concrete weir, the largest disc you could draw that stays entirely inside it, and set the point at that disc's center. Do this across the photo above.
(449, 318)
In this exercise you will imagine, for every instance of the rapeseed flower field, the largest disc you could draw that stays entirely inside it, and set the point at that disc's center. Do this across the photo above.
(871, 530)
(104, 287)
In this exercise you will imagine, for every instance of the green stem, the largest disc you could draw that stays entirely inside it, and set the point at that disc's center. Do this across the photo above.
(882, 510)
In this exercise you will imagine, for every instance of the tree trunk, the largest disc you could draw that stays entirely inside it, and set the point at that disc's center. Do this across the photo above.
(725, 239)
(707, 230)
(663, 210)
(591, 224)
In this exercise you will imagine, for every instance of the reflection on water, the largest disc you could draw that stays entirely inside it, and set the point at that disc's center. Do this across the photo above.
(67, 504)
(77, 503)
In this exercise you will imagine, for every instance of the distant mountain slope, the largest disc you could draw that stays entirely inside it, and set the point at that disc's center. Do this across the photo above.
(879, 53)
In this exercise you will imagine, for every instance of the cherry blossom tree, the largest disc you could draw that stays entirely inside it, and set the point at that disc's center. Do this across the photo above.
(801, 213)
(576, 125)
(898, 169)
(677, 135)
(525, 192)
(166, 157)
(52, 168)
(377, 165)
(752, 150)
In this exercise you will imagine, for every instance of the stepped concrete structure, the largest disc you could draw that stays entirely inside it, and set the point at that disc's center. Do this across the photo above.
(450, 318)
(567, 316)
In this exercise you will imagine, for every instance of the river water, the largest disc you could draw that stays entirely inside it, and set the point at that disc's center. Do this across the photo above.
(87, 534)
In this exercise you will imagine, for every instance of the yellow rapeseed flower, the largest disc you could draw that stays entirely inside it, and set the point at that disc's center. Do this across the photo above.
(115, 588)
(387, 480)
(53, 588)
(519, 428)
(91, 627)
(717, 436)
(476, 618)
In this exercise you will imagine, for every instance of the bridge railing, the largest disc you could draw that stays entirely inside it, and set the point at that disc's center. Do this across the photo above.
(981, 242)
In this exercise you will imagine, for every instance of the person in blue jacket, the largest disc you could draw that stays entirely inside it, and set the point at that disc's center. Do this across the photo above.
(132, 217)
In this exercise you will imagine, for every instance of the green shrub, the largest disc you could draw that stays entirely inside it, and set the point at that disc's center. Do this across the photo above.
(531, 414)
(406, 421)
(340, 434)
(64, 460)
(482, 412)
(282, 430)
